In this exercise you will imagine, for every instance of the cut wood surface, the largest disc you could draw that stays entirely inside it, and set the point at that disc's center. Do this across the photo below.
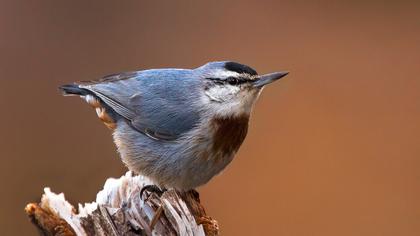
(119, 210)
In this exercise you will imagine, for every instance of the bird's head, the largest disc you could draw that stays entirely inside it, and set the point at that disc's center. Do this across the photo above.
(231, 88)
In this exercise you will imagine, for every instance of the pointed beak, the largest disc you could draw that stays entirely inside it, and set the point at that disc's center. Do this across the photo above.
(269, 78)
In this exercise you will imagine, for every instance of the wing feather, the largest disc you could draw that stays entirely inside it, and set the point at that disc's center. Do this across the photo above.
(155, 102)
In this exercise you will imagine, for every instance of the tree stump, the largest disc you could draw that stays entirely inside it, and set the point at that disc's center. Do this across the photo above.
(119, 210)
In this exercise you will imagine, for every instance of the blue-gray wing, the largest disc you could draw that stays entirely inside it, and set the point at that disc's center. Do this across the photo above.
(159, 103)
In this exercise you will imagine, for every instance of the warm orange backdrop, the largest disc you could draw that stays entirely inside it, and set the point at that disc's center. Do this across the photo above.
(333, 149)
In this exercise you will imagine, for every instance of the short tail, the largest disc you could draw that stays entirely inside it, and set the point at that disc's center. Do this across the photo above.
(73, 89)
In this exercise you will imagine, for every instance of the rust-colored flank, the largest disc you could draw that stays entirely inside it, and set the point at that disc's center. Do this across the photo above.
(229, 133)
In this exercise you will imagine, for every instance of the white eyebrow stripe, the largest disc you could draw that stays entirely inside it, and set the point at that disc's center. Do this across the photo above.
(222, 74)
(225, 74)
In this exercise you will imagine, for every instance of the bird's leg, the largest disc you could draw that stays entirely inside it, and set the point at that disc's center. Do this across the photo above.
(152, 189)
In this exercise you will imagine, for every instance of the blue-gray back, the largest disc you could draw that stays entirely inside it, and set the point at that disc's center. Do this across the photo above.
(160, 103)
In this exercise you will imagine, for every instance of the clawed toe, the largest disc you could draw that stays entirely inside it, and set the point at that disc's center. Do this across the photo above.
(151, 189)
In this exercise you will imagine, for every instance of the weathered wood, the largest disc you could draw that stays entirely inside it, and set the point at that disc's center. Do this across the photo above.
(119, 210)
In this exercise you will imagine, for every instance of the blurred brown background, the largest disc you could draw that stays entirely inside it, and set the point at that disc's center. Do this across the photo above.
(333, 149)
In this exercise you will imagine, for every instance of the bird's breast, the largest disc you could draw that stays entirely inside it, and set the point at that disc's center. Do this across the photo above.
(212, 149)
(228, 133)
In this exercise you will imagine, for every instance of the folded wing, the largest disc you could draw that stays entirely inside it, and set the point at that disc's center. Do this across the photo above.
(158, 103)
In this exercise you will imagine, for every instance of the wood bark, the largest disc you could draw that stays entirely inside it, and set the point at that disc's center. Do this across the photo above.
(119, 210)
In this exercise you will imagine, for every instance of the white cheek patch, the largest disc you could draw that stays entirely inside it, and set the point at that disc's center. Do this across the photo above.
(228, 100)
(222, 93)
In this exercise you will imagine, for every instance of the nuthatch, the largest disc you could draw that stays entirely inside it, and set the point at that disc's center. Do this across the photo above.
(179, 127)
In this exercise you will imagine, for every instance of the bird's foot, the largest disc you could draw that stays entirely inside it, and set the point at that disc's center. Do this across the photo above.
(151, 189)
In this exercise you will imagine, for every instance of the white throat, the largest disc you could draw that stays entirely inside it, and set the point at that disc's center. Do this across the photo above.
(229, 100)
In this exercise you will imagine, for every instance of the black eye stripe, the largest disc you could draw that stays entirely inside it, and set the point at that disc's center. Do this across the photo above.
(234, 80)
(216, 80)
(229, 80)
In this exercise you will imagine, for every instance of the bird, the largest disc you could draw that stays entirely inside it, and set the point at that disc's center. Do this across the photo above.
(178, 127)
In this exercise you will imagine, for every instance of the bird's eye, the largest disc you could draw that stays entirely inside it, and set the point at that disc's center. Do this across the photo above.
(232, 80)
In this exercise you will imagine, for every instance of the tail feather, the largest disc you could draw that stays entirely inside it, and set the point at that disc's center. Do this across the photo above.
(73, 89)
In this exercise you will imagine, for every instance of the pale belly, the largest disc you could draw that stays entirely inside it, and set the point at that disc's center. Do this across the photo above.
(185, 164)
